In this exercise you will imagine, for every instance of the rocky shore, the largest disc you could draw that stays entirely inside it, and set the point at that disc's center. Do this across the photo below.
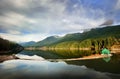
(7, 57)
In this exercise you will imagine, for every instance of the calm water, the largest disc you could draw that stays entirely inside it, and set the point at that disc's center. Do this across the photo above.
(105, 68)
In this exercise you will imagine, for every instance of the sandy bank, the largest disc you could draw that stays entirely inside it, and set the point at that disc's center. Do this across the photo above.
(95, 56)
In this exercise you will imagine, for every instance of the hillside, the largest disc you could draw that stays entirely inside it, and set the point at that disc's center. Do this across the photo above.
(95, 38)
(47, 41)
(93, 33)
(8, 47)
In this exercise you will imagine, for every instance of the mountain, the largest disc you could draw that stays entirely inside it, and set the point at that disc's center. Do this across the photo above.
(48, 41)
(25, 44)
(71, 37)
(92, 34)
(97, 38)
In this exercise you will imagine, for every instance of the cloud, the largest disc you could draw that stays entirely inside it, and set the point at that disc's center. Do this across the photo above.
(117, 5)
(108, 22)
(14, 32)
(50, 17)
(23, 38)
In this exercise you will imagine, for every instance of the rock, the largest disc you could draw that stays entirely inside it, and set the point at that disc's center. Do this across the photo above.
(7, 57)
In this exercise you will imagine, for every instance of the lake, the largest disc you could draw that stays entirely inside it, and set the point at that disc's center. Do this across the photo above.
(104, 68)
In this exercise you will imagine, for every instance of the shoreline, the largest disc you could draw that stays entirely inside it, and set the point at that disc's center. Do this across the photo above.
(94, 56)
(7, 57)
(90, 57)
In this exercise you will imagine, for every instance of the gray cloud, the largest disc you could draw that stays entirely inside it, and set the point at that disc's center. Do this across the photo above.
(108, 22)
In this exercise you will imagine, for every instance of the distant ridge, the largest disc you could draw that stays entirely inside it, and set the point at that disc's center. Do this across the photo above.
(47, 41)
(30, 43)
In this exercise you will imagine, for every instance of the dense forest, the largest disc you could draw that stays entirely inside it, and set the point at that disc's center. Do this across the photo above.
(88, 44)
(8, 47)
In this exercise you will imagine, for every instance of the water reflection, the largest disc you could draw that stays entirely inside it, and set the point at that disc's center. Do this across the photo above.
(73, 53)
(107, 59)
(44, 54)
(22, 69)
(109, 64)
(59, 54)
(79, 69)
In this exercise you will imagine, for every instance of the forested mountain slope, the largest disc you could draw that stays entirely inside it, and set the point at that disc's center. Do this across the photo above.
(96, 38)
(8, 47)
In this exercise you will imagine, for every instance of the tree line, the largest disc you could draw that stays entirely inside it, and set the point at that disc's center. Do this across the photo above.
(93, 44)
(7, 46)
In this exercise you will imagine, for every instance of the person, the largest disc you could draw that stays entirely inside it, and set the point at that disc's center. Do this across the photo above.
(105, 51)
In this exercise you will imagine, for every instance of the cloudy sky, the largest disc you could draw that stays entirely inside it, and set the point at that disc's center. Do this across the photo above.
(26, 20)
